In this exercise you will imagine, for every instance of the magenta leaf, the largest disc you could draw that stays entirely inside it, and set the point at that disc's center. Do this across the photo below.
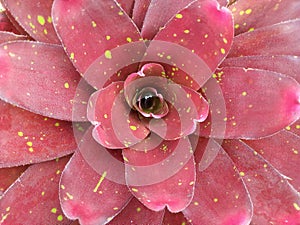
(278, 39)
(27, 138)
(202, 28)
(139, 11)
(33, 198)
(155, 19)
(274, 199)
(284, 64)
(255, 97)
(9, 175)
(89, 196)
(281, 150)
(174, 219)
(136, 213)
(168, 166)
(250, 15)
(116, 125)
(8, 36)
(101, 33)
(220, 199)
(27, 80)
(35, 18)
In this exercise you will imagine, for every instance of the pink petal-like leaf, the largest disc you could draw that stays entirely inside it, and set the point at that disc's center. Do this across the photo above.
(281, 150)
(8, 36)
(156, 16)
(27, 79)
(278, 39)
(161, 173)
(249, 15)
(220, 195)
(294, 128)
(174, 219)
(89, 196)
(136, 213)
(103, 23)
(255, 97)
(117, 126)
(139, 11)
(9, 175)
(35, 18)
(27, 138)
(274, 199)
(284, 64)
(127, 5)
(202, 28)
(33, 199)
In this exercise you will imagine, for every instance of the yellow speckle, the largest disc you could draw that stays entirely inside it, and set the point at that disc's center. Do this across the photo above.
(206, 36)
(62, 187)
(108, 37)
(128, 39)
(133, 128)
(57, 124)
(60, 218)
(29, 16)
(216, 200)
(115, 208)
(20, 134)
(43, 193)
(66, 85)
(244, 93)
(186, 31)
(54, 210)
(105, 116)
(296, 206)
(100, 181)
(179, 16)
(222, 51)
(251, 29)
(107, 54)
(94, 24)
(297, 126)
(30, 149)
(29, 143)
(242, 174)
(196, 203)
(134, 189)
(225, 40)
(248, 11)
(236, 26)
(49, 19)
(45, 31)
(41, 20)
(242, 12)
(288, 128)
(69, 195)
(72, 55)
(120, 13)
(138, 209)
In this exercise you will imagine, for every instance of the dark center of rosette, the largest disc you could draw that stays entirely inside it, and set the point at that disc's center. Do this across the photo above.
(150, 103)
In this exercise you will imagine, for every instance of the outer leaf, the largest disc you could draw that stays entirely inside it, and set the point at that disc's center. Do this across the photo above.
(102, 33)
(174, 219)
(278, 39)
(220, 195)
(274, 200)
(29, 138)
(34, 17)
(255, 97)
(33, 199)
(161, 173)
(139, 11)
(156, 16)
(9, 175)
(281, 150)
(284, 64)
(5, 24)
(137, 213)
(249, 15)
(40, 78)
(7, 36)
(127, 6)
(88, 196)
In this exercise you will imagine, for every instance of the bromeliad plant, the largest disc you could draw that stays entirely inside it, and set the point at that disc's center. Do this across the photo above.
(150, 112)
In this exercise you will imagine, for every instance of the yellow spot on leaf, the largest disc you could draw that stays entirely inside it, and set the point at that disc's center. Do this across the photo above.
(107, 54)
(100, 181)
(20, 134)
(60, 218)
(66, 85)
(248, 11)
(216, 200)
(242, 174)
(138, 209)
(107, 37)
(57, 124)
(244, 93)
(296, 206)
(72, 55)
(133, 128)
(54, 210)
(128, 39)
(41, 20)
(29, 143)
(134, 189)
(179, 16)
(186, 31)
(49, 19)
(29, 16)
(223, 51)
(120, 13)
(94, 24)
